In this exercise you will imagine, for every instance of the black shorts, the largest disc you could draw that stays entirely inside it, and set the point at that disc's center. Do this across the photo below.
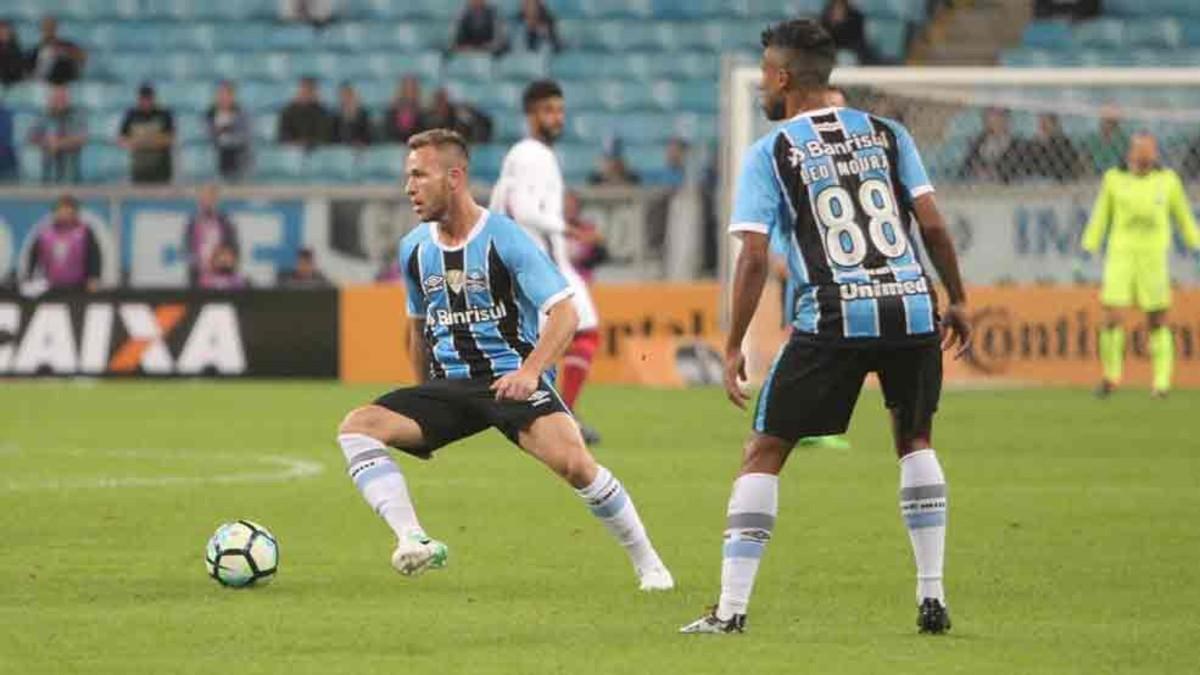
(812, 388)
(449, 410)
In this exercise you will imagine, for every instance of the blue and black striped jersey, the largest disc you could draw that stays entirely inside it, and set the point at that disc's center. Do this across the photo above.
(834, 188)
(480, 301)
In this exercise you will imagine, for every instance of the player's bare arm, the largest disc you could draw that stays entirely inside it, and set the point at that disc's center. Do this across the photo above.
(520, 384)
(956, 327)
(750, 275)
(416, 350)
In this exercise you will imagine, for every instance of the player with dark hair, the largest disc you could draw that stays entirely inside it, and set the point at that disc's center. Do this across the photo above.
(530, 191)
(840, 184)
(477, 286)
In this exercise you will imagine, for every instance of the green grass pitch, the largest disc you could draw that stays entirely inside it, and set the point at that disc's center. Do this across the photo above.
(1073, 540)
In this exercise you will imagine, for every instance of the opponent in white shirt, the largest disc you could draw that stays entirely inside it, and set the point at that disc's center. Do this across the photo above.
(530, 191)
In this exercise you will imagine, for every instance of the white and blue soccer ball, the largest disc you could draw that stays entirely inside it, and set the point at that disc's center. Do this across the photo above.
(242, 554)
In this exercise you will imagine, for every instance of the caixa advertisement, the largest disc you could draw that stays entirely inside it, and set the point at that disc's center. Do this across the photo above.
(171, 334)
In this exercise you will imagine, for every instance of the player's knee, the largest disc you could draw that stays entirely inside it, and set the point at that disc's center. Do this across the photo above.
(763, 454)
(367, 420)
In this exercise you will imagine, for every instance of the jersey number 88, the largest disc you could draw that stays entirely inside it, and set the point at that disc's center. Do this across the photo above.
(845, 242)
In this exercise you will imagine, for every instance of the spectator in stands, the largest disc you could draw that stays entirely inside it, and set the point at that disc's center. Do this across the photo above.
(994, 155)
(404, 116)
(148, 133)
(316, 12)
(305, 274)
(207, 230)
(1106, 148)
(13, 66)
(56, 60)
(351, 123)
(586, 244)
(229, 133)
(674, 170)
(61, 133)
(472, 123)
(612, 169)
(8, 147)
(222, 272)
(479, 29)
(847, 27)
(64, 253)
(1051, 154)
(305, 121)
(537, 24)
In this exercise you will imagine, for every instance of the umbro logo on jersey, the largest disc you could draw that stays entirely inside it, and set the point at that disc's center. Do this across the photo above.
(476, 281)
(434, 283)
(539, 397)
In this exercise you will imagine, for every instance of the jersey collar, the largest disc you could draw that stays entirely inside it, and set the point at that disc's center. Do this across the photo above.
(818, 111)
(437, 234)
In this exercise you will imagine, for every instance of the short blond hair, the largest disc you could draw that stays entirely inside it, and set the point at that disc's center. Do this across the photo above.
(440, 138)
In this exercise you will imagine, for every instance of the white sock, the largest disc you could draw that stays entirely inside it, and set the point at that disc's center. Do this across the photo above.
(607, 500)
(923, 505)
(753, 506)
(379, 480)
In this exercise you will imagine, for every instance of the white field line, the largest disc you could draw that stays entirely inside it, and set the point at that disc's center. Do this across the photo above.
(281, 468)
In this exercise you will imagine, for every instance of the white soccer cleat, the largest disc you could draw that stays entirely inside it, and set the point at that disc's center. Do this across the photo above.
(418, 553)
(656, 579)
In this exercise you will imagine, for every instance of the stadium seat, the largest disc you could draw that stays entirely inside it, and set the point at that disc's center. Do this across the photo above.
(190, 128)
(242, 37)
(29, 164)
(197, 163)
(470, 67)
(577, 160)
(1100, 33)
(137, 36)
(384, 162)
(264, 128)
(185, 96)
(104, 163)
(697, 95)
(1047, 35)
(292, 38)
(1190, 32)
(889, 38)
(281, 163)
(136, 68)
(522, 66)
(1159, 33)
(336, 164)
(99, 96)
(903, 10)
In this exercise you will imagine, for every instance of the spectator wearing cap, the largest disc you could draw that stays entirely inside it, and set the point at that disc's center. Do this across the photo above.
(148, 133)
(60, 132)
(64, 253)
(54, 59)
(305, 121)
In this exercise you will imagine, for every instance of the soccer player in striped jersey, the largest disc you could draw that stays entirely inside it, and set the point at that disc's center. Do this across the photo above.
(477, 285)
(840, 183)
(530, 190)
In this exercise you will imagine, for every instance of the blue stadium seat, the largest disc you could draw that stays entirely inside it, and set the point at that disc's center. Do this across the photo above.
(290, 38)
(417, 36)
(104, 163)
(355, 36)
(24, 97)
(265, 97)
(903, 10)
(1126, 7)
(889, 38)
(264, 128)
(135, 68)
(1190, 32)
(673, 10)
(183, 65)
(242, 37)
(1047, 35)
(644, 157)
(1159, 33)
(23, 124)
(698, 95)
(185, 96)
(471, 67)
(701, 36)
(281, 163)
(374, 94)
(190, 128)
(689, 65)
(580, 95)
(575, 65)
(1102, 33)
(486, 159)
(339, 164)
(29, 164)
(99, 96)
(384, 162)
(577, 160)
(1027, 57)
(522, 66)
(509, 126)
(197, 163)
(426, 65)
(695, 127)
(137, 36)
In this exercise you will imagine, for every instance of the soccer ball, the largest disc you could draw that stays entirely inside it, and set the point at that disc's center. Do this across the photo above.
(242, 554)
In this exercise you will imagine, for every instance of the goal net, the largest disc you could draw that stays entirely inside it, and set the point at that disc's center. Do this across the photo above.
(1016, 155)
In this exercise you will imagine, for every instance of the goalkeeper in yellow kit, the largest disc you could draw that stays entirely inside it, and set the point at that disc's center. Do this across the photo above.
(1134, 213)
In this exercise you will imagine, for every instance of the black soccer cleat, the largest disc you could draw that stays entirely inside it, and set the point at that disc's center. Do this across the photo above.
(710, 624)
(933, 617)
(1104, 389)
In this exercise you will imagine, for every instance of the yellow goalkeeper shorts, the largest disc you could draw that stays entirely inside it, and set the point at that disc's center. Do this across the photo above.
(1137, 279)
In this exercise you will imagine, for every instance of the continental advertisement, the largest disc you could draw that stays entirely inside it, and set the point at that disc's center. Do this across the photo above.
(661, 335)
